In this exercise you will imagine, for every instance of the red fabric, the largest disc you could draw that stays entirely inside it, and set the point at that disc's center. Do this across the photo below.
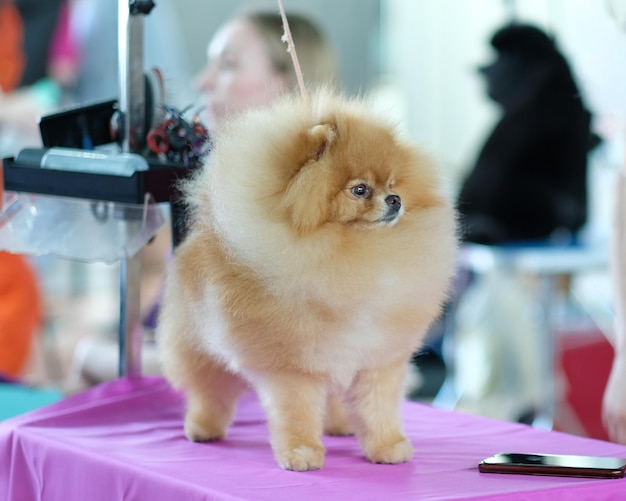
(584, 360)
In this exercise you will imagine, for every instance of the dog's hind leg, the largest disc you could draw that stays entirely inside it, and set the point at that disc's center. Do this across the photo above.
(337, 420)
(211, 395)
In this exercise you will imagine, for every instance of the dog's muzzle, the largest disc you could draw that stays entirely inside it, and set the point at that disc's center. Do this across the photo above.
(394, 207)
(394, 203)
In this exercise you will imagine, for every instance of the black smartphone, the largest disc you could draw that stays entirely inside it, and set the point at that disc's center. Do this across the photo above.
(555, 465)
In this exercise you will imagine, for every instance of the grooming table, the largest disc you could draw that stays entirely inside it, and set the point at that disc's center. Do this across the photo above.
(124, 440)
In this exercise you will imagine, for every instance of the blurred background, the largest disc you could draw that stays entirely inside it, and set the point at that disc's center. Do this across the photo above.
(416, 60)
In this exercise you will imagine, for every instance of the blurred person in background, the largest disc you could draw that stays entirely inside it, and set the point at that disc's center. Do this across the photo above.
(38, 65)
(529, 181)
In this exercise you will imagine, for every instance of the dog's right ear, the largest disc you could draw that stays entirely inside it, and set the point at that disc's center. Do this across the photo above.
(321, 137)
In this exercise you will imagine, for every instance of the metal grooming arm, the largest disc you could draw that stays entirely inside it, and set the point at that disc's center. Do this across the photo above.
(133, 111)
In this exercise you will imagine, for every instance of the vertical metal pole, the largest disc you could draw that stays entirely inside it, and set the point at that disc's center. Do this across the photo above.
(547, 410)
(132, 108)
(132, 84)
(130, 331)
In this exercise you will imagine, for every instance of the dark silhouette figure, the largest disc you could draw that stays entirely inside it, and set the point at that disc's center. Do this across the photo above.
(530, 178)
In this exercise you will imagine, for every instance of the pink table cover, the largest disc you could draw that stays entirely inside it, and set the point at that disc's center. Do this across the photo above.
(124, 440)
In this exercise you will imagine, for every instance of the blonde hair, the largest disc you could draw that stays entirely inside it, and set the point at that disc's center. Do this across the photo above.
(315, 54)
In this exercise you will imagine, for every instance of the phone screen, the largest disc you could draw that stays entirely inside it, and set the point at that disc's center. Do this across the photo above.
(559, 465)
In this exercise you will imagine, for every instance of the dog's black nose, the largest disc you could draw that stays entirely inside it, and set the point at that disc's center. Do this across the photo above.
(394, 202)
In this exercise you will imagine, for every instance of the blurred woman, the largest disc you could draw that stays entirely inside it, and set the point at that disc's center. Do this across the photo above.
(249, 66)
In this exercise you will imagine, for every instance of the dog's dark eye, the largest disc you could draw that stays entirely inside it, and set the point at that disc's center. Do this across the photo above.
(361, 190)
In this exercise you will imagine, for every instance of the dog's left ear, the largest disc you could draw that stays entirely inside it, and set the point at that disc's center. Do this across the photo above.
(321, 137)
(307, 196)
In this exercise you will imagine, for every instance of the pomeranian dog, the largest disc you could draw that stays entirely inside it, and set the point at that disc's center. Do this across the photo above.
(321, 249)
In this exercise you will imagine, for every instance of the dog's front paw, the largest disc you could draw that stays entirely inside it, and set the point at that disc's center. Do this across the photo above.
(399, 451)
(302, 458)
(203, 430)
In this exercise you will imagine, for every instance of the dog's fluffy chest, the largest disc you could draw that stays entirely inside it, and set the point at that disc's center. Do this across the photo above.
(335, 348)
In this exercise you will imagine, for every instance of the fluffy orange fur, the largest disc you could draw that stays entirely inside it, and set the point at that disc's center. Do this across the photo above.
(321, 250)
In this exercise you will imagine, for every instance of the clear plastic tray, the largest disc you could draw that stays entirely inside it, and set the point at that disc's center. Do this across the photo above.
(72, 228)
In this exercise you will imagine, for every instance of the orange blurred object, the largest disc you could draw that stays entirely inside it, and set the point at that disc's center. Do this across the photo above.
(12, 60)
(20, 312)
